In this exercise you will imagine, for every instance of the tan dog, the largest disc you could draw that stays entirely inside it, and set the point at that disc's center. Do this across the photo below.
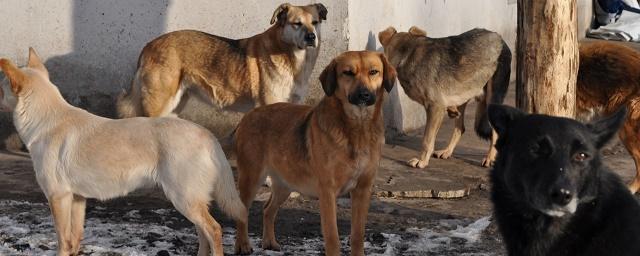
(78, 155)
(233, 74)
(322, 151)
(445, 74)
(608, 79)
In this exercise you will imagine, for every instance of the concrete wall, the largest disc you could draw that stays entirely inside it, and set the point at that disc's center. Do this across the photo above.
(439, 19)
(91, 47)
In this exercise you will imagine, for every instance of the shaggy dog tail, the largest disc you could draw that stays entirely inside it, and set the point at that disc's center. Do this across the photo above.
(129, 104)
(226, 194)
(497, 86)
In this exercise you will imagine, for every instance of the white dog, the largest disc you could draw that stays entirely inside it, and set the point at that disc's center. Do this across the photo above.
(77, 155)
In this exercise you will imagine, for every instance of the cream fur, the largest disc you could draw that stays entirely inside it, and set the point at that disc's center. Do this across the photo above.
(82, 155)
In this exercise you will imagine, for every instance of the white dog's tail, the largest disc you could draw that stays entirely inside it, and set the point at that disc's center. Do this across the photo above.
(226, 193)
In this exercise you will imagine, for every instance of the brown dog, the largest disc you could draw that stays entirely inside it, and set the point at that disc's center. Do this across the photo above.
(323, 151)
(609, 78)
(233, 74)
(445, 74)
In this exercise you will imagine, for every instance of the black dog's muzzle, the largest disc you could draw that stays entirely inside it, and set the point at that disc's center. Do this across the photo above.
(362, 97)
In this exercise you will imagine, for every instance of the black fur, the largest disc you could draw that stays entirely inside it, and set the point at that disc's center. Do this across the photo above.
(499, 87)
(532, 149)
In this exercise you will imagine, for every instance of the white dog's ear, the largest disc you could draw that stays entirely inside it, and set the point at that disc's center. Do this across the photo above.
(16, 77)
(416, 31)
(35, 62)
(500, 116)
(280, 14)
(606, 128)
(385, 36)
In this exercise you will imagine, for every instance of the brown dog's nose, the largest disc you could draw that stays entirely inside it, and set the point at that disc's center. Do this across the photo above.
(362, 97)
(310, 37)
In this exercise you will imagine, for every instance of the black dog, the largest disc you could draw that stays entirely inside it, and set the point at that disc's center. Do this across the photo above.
(551, 193)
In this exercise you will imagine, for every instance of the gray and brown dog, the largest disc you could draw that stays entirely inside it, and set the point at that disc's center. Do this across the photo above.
(233, 74)
(322, 151)
(445, 74)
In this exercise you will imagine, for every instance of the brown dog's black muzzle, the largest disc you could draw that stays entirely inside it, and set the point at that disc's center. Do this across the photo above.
(310, 38)
(362, 97)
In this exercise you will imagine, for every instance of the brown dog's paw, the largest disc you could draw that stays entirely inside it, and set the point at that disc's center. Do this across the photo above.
(417, 163)
(487, 162)
(453, 112)
(442, 154)
(243, 248)
(270, 245)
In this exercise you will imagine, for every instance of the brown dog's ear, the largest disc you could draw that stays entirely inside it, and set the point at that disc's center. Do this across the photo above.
(322, 11)
(389, 74)
(328, 79)
(280, 14)
(35, 62)
(416, 31)
(15, 75)
(385, 36)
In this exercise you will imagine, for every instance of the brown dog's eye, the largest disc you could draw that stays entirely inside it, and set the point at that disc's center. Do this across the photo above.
(348, 73)
(297, 24)
(373, 72)
(580, 157)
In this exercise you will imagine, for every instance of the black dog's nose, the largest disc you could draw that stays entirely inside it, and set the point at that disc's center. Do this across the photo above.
(310, 36)
(561, 196)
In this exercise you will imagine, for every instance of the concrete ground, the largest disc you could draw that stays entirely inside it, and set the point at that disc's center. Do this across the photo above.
(414, 212)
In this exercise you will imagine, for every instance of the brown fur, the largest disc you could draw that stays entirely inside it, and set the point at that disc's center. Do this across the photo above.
(608, 79)
(233, 74)
(445, 74)
(323, 151)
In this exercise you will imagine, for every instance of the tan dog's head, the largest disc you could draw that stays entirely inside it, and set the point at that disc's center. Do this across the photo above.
(19, 82)
(393, 41)
(358, 79)
(300, 24)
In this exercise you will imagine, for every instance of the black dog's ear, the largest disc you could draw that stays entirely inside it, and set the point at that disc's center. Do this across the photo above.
(280, 14)
(322, 11)
(501, 115)
(328, 78)
(389, 74)
(604, 129)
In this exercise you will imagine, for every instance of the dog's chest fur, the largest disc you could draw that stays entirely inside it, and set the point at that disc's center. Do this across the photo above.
(292, 83)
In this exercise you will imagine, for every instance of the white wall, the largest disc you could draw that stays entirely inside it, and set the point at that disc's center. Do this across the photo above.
(91, 47)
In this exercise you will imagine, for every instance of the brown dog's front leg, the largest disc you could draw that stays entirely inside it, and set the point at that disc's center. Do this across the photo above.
(360, 199)
(328, 219)
(435, 114)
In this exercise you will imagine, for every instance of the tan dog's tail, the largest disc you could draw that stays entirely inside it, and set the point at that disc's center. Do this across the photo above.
(226, 194)
(129, 104)
(495, 91)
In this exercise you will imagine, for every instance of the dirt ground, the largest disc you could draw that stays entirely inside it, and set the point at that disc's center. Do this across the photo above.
(421, 221)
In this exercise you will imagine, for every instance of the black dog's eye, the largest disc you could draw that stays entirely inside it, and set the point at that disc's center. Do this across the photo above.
(580, 157)
(373, 72)
(315, 22)
(348, 73)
